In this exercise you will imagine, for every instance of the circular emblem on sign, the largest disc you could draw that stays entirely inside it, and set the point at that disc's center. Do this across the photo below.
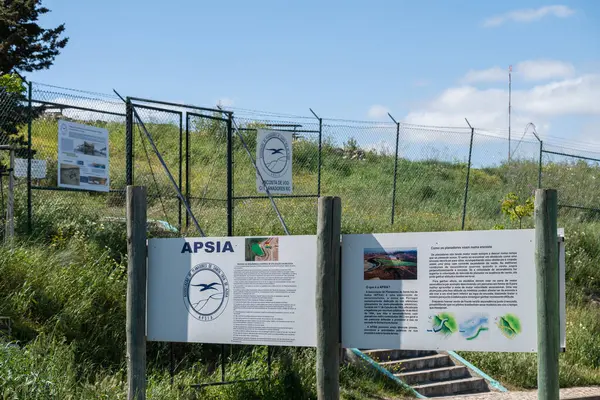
(64, 130)
(275, 154)
(205, 292)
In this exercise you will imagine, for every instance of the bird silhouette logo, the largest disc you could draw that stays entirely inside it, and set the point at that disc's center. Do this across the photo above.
(204, 286)
(276, 151)
(275, 154)
(206, 292)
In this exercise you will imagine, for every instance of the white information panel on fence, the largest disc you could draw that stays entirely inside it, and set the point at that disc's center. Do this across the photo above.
(469, 290)
(236, 290)
(38, 168)
(82, 157)
(274, 161)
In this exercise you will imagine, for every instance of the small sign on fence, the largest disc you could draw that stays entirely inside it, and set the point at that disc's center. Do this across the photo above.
(471, 291)
(83, 161)
(38, 168)
(274, 161)
(235, 290)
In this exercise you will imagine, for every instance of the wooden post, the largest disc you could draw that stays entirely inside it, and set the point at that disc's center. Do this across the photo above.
(547, 280)
(10, 206)
(327, 302)
(136, 293)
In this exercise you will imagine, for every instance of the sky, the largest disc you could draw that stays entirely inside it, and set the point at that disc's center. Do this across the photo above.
(426, 63)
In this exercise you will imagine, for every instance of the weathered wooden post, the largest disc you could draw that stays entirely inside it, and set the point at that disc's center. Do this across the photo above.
(327, 302)
(548, 318)
(136, 293)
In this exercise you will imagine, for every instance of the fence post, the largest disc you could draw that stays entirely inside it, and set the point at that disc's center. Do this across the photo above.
(29, 156)
(464, 214)
(395, 168)
(136, 293)
(540, 165)
(128, 142)
(179, 215)
(229, 176)
(187, 168)
(548, 319)
(320, 161)
(327, 301)
(319, 154)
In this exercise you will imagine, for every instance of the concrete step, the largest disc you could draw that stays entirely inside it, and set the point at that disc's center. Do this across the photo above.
(447, 388)
(419, 363)
(434, 375)
(381, 355)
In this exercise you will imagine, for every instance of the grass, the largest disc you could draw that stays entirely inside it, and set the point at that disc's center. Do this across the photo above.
(64, 284)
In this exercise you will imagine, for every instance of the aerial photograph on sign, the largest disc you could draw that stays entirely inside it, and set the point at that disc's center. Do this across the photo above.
(262, 249)
(69, 174)
(390, 264)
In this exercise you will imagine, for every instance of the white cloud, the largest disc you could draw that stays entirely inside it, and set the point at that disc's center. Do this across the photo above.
(488, 108)
(225, 102)
(539, 70)
(495, 74)
(378, 111)
(530, 70)
(383, 147)
(529, 15)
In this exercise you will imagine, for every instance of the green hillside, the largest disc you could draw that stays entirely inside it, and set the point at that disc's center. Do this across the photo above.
(64, 285)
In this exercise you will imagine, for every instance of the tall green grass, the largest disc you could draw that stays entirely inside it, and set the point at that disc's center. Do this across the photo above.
(64, 284)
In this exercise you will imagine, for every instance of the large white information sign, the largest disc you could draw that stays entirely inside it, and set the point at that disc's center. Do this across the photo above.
(82, 157)
(236, 290)
(473, 290)
(274, 161)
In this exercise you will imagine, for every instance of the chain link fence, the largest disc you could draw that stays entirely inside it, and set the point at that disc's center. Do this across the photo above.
(391, 176)
(53, 206)
(576, 176)
(198, 165)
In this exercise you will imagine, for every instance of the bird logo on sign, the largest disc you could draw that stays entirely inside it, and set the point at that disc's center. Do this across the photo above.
(275, 154)
(206, 292)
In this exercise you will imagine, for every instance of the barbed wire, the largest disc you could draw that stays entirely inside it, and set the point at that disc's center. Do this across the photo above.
(97, 94)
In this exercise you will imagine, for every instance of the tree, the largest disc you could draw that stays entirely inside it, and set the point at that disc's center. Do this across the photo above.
(13, 114)
(24, 47)
(511, 207)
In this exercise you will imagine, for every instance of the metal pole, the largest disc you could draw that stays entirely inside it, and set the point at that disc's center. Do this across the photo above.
(320, 160)
(128, 142)
(187, 167)
(319, 155)
(29, 156)
(327, 301)
(395, 168)
(229, 177)
(464, 214)
(10, 206)
(548, 320)
(179, 220)
(540, 166)
(136, 293)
